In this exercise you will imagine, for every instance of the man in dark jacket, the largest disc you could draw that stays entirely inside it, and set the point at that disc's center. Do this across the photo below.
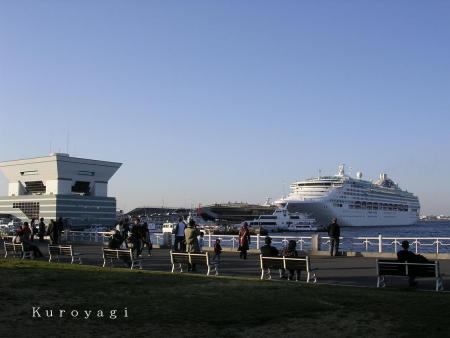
(268, 250)
(334, 231)
(405, 255)
(41, 230)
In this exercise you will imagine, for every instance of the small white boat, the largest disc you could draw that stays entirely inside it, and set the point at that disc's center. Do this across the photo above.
(283, 220)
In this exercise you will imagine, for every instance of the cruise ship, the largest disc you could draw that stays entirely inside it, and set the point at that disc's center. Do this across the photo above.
(353, 201)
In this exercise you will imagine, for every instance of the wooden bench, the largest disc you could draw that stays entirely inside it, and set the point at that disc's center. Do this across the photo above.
(405, 269)
(65, 251)
(187, 258)
(17, 250)
(126, 255)
(297, 264)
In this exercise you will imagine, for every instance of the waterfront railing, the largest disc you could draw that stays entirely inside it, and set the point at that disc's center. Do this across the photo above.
(374, 244)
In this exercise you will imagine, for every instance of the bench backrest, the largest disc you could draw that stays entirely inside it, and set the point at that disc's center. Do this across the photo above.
(117, 254)
(192, 258)
(300, 263)
(13, 247)
(272, 262)
(396, 268)
(60, 250)
(291, 263)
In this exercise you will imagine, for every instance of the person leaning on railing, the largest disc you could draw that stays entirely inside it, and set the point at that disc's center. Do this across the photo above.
(334, 231)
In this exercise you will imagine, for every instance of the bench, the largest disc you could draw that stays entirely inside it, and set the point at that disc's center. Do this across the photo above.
(405, 269)
(63, 250)
(187, 258)
(125, 255)
(17, 250)
(297, 264)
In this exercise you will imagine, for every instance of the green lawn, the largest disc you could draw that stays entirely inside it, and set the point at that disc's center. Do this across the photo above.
(166, 305)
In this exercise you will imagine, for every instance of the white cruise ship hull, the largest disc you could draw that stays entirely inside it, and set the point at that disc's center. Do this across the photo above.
(324, 212)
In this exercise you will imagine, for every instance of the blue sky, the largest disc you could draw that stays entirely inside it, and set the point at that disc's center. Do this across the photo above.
(216, 101)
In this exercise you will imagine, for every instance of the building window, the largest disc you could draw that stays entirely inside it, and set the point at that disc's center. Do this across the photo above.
(30, 209)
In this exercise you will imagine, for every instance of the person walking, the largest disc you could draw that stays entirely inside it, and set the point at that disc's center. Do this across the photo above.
(334, 231)
(244, 241)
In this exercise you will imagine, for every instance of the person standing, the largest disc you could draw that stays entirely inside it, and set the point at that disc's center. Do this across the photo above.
(201, 241)
(53, 232)
(216, 257)
(179, 235)
(41, 230)
(334, 231)
(60, 226)
(34, 229)
(244, 241)
(191, 233)
(135, 238)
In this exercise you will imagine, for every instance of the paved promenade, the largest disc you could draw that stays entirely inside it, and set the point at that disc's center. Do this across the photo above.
(342, 270)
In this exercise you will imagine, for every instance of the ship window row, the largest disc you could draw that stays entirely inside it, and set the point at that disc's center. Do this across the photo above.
(325, 184)
(379, 206)
(263, 223)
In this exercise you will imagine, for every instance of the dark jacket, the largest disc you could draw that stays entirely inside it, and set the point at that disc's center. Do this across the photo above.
(52, 230)
(191, 234)
(217, 249)
(269, 251)
(41, 227)
(290, 253)
(411, 257)
(334, 230)
(115, 241)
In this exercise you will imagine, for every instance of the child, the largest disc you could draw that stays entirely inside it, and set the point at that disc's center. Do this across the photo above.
(217, 253)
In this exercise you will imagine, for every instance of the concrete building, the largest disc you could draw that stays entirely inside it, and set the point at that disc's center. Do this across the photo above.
(58, 185)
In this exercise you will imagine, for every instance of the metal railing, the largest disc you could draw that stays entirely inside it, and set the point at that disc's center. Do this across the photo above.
(380, 244)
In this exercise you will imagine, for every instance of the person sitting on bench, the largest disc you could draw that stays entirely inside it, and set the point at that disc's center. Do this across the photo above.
(115, 241)
(24, 237)
(268, 250)
(291, 252)
(405, 255)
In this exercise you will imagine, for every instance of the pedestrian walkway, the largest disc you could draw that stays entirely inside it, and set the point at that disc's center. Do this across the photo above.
(341, 270)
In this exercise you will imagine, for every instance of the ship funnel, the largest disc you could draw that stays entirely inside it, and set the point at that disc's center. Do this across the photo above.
(383, 176)
(359, 175)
